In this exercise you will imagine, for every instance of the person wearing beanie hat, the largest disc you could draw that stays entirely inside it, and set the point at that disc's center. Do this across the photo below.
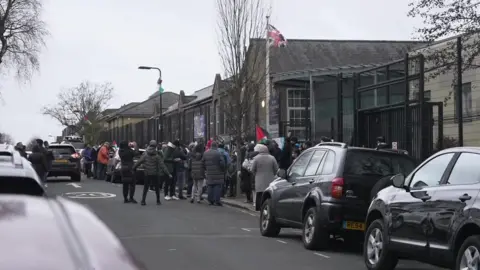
(154, 169)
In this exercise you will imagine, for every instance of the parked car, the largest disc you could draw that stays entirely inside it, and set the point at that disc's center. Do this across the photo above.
(327, 191)
(17, 175)
(114, 166)
(66, 161)
(432, 215)
(77, 238)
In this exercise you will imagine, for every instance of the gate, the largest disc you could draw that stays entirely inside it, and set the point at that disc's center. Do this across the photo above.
(389, 101)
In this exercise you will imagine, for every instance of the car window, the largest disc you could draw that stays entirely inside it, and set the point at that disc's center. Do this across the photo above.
(314, 162)
(300, 164)
(431, 173)
(328, 164)
(20, 185)
(466, 170)
(377, 163)
(61, 150)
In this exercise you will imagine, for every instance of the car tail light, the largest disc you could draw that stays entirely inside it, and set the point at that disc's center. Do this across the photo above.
(337, 188)
(75, 155)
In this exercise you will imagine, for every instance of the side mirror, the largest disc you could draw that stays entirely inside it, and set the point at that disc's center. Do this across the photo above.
(282, 173)
(398, 180)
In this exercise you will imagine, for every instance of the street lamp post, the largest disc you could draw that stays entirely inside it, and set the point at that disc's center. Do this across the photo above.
(159, 82)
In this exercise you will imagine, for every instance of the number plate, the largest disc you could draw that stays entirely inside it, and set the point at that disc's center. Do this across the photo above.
(61, 161)
(352, 225)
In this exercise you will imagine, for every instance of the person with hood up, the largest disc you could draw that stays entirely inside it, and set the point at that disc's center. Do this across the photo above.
(126, 154)
(169, 187)
(39, 162)
(45, 153)
(180, 159)
(214, 164)
(264, 168)
(197, 172)
(154, 168)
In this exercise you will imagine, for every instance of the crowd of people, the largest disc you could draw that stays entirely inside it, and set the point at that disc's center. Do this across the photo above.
(198, 167)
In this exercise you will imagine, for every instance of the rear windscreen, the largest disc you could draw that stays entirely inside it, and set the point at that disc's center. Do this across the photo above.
(61, 150)
(377, 163)
(20, 185)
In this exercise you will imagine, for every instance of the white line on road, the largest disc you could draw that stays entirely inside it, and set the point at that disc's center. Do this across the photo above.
(172, 249)
(283, 242)
(74, 185)
(245, 229)
(322, 255)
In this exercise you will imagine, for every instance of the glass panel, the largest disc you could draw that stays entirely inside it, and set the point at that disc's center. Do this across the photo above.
(381, 96)
(366, 79)
(397, 93)
(396, 71)
(381, 74)
(367, 99)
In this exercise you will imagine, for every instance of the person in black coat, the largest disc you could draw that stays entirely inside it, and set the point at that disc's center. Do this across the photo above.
(39, 162)
(126, 172)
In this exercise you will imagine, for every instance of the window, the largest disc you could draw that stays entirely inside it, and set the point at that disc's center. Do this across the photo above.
(298, 102)
(300, 164)
(466, 102)
(312, 167)
(431, 173)
(466, 170)
(328, 164)
(61, 150)
(377, 163)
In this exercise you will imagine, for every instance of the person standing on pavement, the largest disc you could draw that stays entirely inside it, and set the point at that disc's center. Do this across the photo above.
(190, 155)
(197, 172)
(39, 162)
(45, 153)
(102, 160)
(221, 149)
(264, 168)
(180, 159)
(169, 188)
(126, 155)
(93, 157)
(87, 157)
(214, 165)
(247, 178)
(154, 167)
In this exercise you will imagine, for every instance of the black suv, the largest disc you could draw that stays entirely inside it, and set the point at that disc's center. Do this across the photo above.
(432, 215)
(66, 161)
(327, 191)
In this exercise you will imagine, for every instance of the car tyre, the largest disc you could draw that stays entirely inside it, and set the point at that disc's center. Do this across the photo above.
(469, 253)
(268, 224)
(314, 237)
(77, 177)
(376, 254)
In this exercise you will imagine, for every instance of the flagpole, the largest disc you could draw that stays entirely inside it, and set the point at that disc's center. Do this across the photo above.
(267, 75)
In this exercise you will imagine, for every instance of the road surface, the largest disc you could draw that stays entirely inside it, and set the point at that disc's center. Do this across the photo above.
(180, 235)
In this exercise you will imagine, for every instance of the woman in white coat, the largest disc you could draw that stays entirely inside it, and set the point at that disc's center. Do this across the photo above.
(264, 168)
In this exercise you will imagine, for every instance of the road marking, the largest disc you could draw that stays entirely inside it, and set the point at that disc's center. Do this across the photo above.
(322, 255)
(245, 229)
(283, 242)
(89, 195)
(74, 185)
(172, 249)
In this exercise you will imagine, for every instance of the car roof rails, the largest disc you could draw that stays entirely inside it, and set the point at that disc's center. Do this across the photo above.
(339, 144)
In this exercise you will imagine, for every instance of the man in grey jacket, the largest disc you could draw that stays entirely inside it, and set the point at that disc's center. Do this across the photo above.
(214, 165)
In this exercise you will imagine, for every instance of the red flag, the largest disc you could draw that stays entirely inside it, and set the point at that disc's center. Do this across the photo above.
(261, 133)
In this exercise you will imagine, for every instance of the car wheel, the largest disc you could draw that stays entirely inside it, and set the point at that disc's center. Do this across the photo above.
(468, 256)
(375, 250)
(268, 224)
(314, 237)
(77, 177)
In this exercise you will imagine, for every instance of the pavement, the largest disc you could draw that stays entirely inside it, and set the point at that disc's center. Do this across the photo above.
(180, 235)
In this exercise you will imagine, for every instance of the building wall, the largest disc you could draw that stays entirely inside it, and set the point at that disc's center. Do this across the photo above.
(122, 121)
(441, 89)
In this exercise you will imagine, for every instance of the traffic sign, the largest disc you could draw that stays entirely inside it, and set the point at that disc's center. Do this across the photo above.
(89, 195)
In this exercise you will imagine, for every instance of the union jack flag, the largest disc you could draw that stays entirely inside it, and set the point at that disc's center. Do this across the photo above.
(275, 38)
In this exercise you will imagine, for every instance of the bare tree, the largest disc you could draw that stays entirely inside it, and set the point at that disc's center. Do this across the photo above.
(241, 25)
(79, 108)
(443, 19)
(22, 36)
(6, 138)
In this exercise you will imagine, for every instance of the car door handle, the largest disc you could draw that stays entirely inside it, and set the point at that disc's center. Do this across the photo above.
(464, 197)
(425, 198)
(311, 181)
(294, 183)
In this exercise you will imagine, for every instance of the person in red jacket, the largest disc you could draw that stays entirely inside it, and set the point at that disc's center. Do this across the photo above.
(102, 160)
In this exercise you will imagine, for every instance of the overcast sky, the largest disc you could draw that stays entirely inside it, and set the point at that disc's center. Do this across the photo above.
(106, 40)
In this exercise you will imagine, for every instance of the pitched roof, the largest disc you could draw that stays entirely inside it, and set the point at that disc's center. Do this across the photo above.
(201, 94)
(147, 107)
(302, 54)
